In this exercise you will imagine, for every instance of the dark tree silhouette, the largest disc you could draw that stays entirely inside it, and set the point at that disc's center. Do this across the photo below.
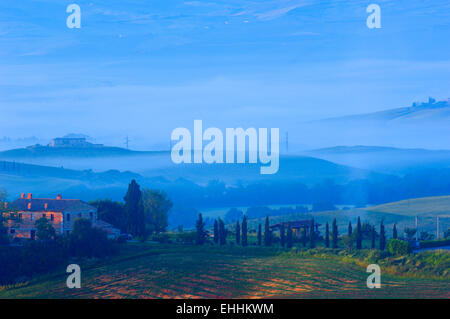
(134, 210)
(238, 233)
(201, 233)
(312, 234)
(244, 231)
(222, 233)
(259, 235)
(267, 233)
(358, 234)
(216, 232)
(334, 234)
(394, 232)
(327, 236)
(282, 235)
(382, 237)
(289, 235)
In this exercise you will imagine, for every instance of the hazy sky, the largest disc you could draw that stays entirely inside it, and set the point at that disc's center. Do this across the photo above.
(142, 68)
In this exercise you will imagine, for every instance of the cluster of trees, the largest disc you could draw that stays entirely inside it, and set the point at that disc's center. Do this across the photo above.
(143, 212)
(51, 251)
(374, 190)
(308, 235)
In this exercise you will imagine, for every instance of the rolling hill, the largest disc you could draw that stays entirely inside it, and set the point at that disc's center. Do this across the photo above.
(430, 111)
(39, 151)
(423, 207)
(384, 159)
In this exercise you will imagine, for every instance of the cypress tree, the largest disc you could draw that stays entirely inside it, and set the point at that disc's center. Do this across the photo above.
(259, 235)
(327, 236)
(334, 234)
(282, 235)
(394, 232)
(358, 234)
(267, 233)
(350, 233)
(222, 233)
(373, 237)
(303, 236)
(134, 210)
(201, 233)
(238, 233)
(244, 231)
(216, 232)
(382, 237)
(289, 236)
(312, 234)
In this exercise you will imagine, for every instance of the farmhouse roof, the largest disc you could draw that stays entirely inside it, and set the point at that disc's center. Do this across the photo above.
(51, 204)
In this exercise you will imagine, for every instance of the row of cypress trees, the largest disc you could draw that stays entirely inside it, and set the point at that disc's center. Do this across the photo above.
(286, 235)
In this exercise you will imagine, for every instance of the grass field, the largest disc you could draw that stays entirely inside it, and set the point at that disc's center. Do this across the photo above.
(176, 271)
(427, 206)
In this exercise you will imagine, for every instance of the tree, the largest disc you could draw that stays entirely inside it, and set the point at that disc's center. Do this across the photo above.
(222, 233)
(303, 236)
(327, 235)
(282, 235)
(410, 232)
(134, 210)
(312, 234)
(358, 234)
(382, 237)
(394, 232)
(85, 240)
(238, 233)
(334, 234)
(259, 235)
(244, 231)
(447, 233)
(201, 233)
(216, 232)
(44, 229)
(289, 235)
(267, 233)
(111, 212)
(373, 237)
(424, 235)
(156, 207)
(4, 240)
(349, 235)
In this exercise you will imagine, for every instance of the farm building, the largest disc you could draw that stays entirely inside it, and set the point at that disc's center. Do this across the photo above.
(296, 226)
(23, 213)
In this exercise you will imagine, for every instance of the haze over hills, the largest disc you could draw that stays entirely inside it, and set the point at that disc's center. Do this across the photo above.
(384, 159)
(422, 125)
(430, 111)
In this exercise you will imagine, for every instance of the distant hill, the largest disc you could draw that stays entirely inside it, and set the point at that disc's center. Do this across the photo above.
(37, 151)
(423, 207)
(430, 111)
(384, 159)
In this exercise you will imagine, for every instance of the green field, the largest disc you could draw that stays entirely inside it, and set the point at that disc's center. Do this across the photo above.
(181, 271)
(427, 206)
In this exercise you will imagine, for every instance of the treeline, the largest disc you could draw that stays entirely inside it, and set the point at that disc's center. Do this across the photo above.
(375, 190)
(361, 236)
(142, 213)
(20, 263)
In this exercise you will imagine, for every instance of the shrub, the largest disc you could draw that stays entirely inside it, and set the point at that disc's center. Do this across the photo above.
(398, 247)
(434, 243)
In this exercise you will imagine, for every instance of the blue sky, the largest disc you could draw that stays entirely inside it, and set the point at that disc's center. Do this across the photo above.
(142, 68)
